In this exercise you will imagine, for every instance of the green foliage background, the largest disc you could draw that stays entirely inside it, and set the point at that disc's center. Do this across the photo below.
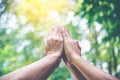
(20, 45)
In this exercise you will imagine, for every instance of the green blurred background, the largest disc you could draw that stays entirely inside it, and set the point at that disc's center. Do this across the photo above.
(25, 24)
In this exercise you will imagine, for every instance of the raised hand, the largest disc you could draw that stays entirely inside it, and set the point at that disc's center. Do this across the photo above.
(54, 46)
(71, 46)
(54, 42)
(72, 52)
(77, 74)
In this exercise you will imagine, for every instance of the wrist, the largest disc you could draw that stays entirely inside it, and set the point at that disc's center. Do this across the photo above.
(56, 55)
(74, 57)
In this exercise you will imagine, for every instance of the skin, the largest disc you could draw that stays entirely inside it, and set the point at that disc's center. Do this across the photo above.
(89, 71)
(77, 74)
(48, 49)
(41, 69)
(58, 39)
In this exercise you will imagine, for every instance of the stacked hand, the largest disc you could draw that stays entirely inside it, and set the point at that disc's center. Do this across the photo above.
(59, 45)
(71, 47)
(60, 39)
(54, 42)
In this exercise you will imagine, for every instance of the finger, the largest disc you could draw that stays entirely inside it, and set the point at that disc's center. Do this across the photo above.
(53, 31)
(59, 34)
(62, 29)
(68, 33)
(78, 45)
(66, 36)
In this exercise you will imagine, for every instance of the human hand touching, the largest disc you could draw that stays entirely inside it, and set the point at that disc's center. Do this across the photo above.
(54, 43)
(66, 54)
(54, 47)
(72, 52)
(41, 69)
(71, 47)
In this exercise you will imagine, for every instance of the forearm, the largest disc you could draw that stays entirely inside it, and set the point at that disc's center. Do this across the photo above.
(33, 71)
(89, 71)
(77, 74)
(49, 71)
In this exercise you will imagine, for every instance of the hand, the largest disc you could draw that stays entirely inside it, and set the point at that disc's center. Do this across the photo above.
(64, 56)
(54, 42)
(71, 46)
(77, 74)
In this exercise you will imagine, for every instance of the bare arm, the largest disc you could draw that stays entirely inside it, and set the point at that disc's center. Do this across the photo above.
(33, 71)
(47, 74)
(77, 74)
(69, 47)
(89, 71)
(49, 71)
(54, 44)
(39, 69)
